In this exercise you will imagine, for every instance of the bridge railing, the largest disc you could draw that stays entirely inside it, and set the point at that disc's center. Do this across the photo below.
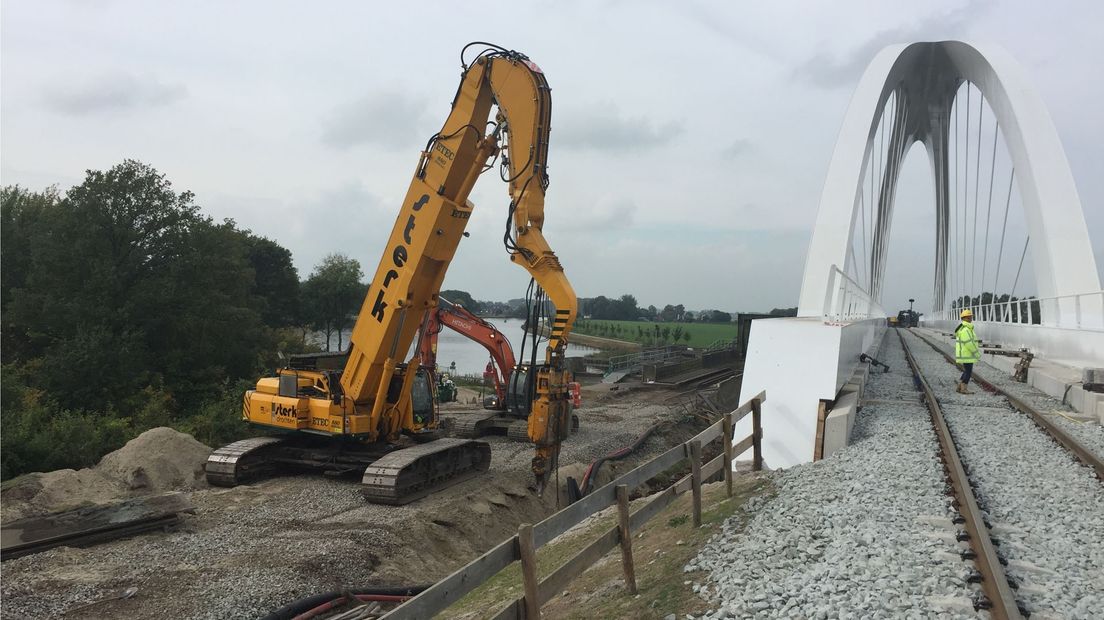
(846, 300)
(1084, 311)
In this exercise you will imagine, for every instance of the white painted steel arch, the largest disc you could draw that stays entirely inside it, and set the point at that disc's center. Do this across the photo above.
(925, 78)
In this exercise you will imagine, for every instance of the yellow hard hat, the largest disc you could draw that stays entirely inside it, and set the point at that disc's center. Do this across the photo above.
(966, 313)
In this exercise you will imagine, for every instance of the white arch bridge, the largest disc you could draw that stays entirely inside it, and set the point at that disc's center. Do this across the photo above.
(1004, 198)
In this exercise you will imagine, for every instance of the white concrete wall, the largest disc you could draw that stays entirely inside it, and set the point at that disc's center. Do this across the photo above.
(799, 361)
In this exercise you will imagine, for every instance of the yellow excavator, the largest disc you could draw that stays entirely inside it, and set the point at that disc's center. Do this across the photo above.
(366, 410)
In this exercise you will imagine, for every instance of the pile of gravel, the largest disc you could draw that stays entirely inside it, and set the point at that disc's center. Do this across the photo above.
(865, 533)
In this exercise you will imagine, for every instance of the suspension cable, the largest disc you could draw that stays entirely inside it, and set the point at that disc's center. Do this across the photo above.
(954, 245)
(966, 194)
(1017, 280)
(989, 210)
(1004, 229)
(977, 187)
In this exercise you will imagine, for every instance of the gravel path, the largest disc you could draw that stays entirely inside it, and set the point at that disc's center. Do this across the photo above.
(1047, 509)
(863, 534)
(1088, 433)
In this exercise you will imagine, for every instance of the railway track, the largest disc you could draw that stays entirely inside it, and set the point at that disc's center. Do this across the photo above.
(1064, 439)
(1031, 508)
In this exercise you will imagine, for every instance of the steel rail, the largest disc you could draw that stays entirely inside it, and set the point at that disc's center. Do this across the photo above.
(994, 582)
(1063, 439)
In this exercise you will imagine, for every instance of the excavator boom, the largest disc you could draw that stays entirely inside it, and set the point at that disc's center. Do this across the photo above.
(371, 395)
(460, 320)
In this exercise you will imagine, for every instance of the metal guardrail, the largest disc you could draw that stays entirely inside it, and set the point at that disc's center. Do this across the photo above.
(1081, 311)
(647, 356)
(846, 300)
(524, 545)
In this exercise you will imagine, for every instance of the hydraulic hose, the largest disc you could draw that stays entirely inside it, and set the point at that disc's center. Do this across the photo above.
(311, 606)
(592, 470)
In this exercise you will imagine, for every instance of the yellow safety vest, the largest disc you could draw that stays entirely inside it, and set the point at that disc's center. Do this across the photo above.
(966, 344)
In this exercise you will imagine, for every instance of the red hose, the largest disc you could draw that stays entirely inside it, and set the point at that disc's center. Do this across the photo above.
(327, 606)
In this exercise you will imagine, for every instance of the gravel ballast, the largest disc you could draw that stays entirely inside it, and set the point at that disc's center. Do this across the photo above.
(1088, 433)
(1047, 509)
(866, 533)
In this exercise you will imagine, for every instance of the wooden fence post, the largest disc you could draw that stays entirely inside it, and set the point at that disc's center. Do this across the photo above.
(695, 480)
(529, 571)
(626, 537)
(726, 429)
(818, 442)
(757, 433)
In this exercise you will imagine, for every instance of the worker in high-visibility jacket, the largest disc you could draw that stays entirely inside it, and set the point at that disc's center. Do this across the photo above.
(967, 352)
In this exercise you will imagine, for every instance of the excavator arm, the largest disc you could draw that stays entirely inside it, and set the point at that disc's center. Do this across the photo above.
(460, 320)
(428, 230)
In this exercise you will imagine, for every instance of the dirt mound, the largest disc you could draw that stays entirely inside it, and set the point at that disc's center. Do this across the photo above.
(41, 493)
(158, 460)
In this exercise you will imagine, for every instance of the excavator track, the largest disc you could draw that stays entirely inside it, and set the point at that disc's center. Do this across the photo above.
(518, 431)
(241, 461)
(472, 425)
(412, 473)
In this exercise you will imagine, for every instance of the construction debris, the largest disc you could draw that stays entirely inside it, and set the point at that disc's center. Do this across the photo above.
(92, 525)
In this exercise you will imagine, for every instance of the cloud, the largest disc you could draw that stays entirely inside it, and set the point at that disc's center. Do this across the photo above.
(607, 130)
(603, 217)
(737, 148)
(385, 118)
(831, 71)
(111, 93)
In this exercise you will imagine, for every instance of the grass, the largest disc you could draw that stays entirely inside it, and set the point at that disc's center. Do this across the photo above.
(701, 334)
(660, 549)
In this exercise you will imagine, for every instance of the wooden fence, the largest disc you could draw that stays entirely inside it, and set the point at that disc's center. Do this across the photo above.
(524, 545)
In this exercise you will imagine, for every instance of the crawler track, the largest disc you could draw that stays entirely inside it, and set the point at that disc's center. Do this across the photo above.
(1000, 598)
(389, 477)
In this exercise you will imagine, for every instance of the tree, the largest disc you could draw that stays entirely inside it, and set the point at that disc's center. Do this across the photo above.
(125, 307)
(275, 282)
(464, 299)
(625, 308)
(716, 316)
(126, 285)
(783, 311)
(333, 293)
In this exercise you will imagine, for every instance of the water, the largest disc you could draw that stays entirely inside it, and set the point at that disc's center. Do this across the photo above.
(469, 356)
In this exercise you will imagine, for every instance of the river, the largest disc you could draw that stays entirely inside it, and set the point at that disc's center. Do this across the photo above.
(470, 357)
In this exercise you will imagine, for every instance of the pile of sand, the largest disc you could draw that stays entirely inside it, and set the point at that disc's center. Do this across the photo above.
(159, 460)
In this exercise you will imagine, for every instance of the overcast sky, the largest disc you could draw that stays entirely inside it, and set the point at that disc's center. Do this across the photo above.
(689, 139)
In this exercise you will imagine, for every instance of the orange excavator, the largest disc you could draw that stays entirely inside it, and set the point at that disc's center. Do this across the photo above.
(462, 321)
(509, 406)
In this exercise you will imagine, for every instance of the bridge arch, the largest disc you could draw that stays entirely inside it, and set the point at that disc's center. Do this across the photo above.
(919, 82)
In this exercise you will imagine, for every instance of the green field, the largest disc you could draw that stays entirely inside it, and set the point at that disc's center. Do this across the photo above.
(644, 332)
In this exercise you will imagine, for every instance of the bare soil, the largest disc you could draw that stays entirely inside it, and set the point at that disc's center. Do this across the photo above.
(251, 549)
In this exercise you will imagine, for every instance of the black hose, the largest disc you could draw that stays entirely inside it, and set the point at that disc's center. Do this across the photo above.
(289, 611)
(592, 471)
